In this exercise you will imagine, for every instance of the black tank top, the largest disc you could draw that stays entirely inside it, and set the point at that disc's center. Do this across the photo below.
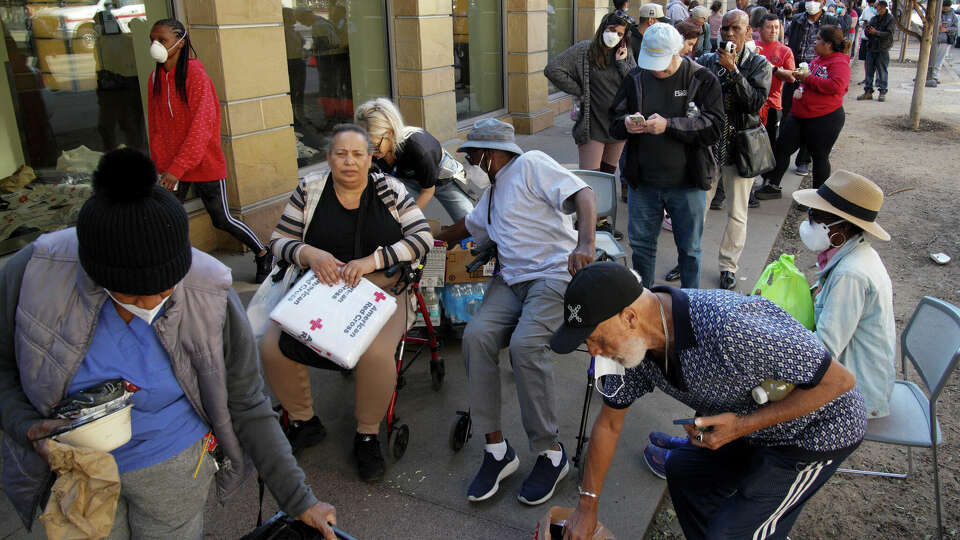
(352, 234)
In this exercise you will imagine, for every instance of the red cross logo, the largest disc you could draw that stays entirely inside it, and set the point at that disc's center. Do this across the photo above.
(378, 296)
(315, 324)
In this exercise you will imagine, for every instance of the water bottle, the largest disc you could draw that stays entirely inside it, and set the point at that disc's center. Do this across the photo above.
(692, 110)
(771, 390)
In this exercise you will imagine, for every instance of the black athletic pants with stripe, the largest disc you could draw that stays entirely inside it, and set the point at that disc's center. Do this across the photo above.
(741, 491)
(214, 197)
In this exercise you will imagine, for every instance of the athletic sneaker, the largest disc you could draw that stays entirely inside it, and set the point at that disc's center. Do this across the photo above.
(264, 266)
(543, 479)
(487, 481)
(803, 169)
(768, 192)
(370, 463)
(656, 460)
(665, 440)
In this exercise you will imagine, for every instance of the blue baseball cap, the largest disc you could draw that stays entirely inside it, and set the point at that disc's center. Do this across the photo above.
(660, 43)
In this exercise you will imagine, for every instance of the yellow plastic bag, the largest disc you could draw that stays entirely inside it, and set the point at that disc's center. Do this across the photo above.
(787, 287)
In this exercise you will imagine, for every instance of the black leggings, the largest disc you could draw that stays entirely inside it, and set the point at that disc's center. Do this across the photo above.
(818, 134)
(214, 197)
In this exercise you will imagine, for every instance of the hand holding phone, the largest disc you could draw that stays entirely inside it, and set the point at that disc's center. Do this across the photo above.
(637, 119)
(690, 422)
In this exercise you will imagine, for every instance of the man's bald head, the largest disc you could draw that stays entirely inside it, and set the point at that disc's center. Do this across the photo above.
(735, 28)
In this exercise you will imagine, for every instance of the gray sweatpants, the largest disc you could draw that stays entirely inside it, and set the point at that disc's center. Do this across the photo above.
(523, 317)
(164, 500)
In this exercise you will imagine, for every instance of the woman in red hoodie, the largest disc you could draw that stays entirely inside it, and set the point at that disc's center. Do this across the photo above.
(817, 116)
(184, 122)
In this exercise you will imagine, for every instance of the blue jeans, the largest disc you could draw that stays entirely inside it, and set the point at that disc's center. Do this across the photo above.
(877, 62)
(686, 207)
(457, 203)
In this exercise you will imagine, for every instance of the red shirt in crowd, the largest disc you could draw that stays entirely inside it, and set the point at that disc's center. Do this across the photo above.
(780, 56)
(824, 89)
(185, 135)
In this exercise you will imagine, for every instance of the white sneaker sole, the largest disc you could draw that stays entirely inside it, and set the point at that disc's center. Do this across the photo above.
(563, 473)
(509, 469)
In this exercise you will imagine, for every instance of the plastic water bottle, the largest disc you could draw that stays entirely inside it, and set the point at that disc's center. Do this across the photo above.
(475, 298)
(692, 110)
(771, 390)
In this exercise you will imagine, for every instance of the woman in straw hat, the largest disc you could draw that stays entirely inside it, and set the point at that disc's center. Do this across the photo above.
(853, 308)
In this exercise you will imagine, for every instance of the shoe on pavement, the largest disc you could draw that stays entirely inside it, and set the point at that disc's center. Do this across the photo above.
(767, 192)
(931, 83)
(370, 463)
(543, 479)
(665, 440)
(717, 203)
(667, 223)
(264, 266)
(673, 274)
(728, 280)
(303, 433)
(752, 201)
(867, 95)
(656, 460)
(882, 96)
(803, 169)
(487, 481)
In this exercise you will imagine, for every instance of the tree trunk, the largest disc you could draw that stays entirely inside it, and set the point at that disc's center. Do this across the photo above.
(906, 10)
(931, 26)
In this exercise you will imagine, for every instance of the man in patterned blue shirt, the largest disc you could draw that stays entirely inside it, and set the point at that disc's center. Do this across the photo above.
(748, 468)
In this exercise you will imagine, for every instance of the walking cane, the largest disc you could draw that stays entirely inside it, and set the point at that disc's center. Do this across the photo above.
(582, 437)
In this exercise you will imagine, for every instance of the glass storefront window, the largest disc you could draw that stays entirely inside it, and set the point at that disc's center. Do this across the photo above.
(72, 87)
(337, 58)
(477, 56)
(559, 31)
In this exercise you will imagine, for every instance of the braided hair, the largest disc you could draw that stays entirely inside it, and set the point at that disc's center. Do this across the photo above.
(180, 73)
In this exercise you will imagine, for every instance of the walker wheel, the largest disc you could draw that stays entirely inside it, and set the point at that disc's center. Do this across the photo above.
(461, 431)
(398, 444)
(437, 372)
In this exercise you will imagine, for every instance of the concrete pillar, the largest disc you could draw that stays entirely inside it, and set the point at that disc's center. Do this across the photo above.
(240, 43)
(589, 15)
(526, 58)
(423, 31)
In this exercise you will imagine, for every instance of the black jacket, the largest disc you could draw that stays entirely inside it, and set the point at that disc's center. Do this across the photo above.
(798, 28)
(750, 87)
(698, 134)
(883, 39)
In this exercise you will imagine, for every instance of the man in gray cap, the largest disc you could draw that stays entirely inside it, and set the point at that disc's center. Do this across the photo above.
(527, 212)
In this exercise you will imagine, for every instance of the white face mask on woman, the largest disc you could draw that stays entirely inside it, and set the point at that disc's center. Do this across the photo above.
(816, 236)
(610, 39)
(147, 315)
(159, 53)
(812, 7)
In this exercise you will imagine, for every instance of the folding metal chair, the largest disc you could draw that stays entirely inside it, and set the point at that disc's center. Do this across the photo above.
(932, 343)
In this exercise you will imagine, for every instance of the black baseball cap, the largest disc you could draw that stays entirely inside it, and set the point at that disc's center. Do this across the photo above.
(598, 291)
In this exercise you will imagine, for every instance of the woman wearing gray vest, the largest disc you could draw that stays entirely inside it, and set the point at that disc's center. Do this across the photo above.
(124, 296)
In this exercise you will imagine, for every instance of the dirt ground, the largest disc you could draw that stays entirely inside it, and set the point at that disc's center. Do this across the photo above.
(920, 173)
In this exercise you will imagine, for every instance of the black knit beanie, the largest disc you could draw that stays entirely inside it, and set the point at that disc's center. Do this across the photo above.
(134, 235)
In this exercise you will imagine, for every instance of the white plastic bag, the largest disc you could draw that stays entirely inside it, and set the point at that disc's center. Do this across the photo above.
(340, 322)
(267, 297)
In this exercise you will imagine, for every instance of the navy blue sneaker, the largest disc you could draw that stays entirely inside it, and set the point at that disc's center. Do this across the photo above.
(487, 481)
(656, 459)
(543, 479)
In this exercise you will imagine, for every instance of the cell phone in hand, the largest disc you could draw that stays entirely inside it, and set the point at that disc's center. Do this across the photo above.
(637, 119)
(691, 422)
(729, 46)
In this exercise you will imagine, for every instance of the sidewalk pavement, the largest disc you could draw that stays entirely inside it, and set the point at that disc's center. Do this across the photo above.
(423, 494)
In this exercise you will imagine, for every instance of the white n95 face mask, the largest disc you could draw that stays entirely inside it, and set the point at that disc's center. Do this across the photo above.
(147, 315)
(604, 366)
(812, 7)
(816, 236)
(610, 39)
(159, 53)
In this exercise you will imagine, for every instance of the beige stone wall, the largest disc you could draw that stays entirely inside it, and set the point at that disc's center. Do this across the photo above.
(526, 58)
(232, 36)
(423, 40)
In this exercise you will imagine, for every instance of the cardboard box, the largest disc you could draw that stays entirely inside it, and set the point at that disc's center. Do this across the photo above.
(457, 261)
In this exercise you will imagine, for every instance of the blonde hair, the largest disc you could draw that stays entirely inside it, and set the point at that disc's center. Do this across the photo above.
(380, 116)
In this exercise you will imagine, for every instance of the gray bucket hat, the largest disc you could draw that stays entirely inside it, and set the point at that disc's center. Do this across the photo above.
(492, 134)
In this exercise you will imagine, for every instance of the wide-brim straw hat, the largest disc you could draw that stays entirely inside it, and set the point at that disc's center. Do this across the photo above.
(850, 196)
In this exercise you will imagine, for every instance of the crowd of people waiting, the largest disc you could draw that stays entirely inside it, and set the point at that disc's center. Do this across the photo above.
(681, 102)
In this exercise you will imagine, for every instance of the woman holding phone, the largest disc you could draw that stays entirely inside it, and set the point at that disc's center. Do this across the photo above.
(592, 71)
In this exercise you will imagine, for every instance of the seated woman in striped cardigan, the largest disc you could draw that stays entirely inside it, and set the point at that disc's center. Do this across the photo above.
(348, 224)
